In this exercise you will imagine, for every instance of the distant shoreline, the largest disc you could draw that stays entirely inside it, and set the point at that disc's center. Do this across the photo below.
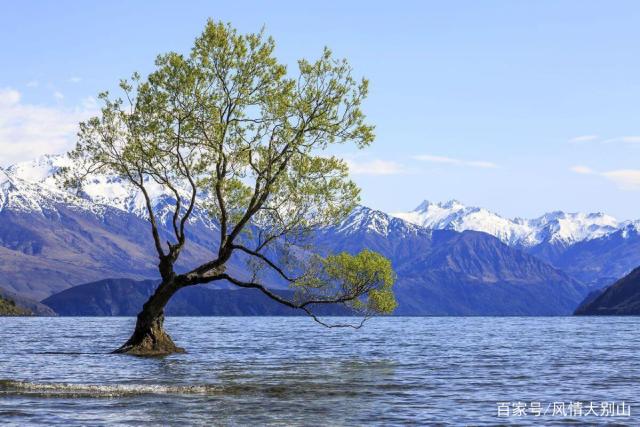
(341, 316)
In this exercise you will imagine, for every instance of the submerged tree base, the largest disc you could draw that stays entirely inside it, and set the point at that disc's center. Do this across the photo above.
(148, 348)
(151, 347)
(152, 341)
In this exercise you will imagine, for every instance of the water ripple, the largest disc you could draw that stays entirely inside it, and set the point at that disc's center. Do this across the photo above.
(290, 371)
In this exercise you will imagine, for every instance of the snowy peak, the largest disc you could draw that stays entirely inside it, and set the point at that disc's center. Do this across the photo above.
(554, 227)
(40, 170)
(25, 196)
(574, 227)
(99, 191)
(99, 188)
(454, 215)
(5, 179)
(452, 204)
(364, 219)
(629, 229)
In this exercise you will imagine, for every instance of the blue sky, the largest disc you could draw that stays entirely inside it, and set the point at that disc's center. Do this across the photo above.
(518, 106)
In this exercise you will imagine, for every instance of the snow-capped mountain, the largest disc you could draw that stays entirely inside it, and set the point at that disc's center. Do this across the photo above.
(99, 190)
(363, 219)
(444, 272)
(51, 239)
(22, 195)
(38, 185)
(630, 228)
(555, 227)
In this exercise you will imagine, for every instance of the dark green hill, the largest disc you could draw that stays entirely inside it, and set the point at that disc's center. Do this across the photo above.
(8, 307)
(28, 305)
(125, 297)
(620, 299)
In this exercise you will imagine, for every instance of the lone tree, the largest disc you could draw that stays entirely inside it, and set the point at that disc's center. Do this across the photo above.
(226, 131)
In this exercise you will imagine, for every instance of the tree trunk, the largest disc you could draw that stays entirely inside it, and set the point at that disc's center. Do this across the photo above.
(149, 338)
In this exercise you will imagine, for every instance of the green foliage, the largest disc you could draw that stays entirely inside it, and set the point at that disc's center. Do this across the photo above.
(363, 282)
(8, 307)
(368, 275)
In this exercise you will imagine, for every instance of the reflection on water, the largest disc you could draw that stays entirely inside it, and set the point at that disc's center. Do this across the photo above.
(291, 371)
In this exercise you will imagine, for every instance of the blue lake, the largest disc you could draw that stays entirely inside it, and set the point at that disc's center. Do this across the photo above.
(292, 371)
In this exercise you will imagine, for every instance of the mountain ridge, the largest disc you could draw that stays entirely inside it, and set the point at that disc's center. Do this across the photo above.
(445, 272)
(552, 227)
(51, 240)
(555, 227)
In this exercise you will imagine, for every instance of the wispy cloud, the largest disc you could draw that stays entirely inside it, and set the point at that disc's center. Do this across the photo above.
(28, 130)
(455, 161)
(33, 83)
(75, 79)
(629, 139)
(584, 170)
(58, 95)
(624, 139)
(626, 179)
(481, 164)
(583, 138)
(375, 167)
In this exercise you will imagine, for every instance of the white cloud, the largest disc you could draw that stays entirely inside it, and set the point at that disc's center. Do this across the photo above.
(28, 130)
(454, 161)
(623, 139)
(58, 95)
(9, 97)
(584, 170)
(75, 79)
(626, 179)
(583, 138)
(375, 167)
(630, 139)
(481, 164)
(33, 83)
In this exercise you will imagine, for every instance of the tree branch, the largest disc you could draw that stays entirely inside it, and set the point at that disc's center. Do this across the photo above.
(302, 306)
(266, 260)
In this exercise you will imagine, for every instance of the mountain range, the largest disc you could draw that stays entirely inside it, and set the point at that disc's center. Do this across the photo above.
(449, 258)
(595, 248)
(553, 227)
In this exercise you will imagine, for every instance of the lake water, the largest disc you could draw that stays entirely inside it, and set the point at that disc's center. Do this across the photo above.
(292, 371)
